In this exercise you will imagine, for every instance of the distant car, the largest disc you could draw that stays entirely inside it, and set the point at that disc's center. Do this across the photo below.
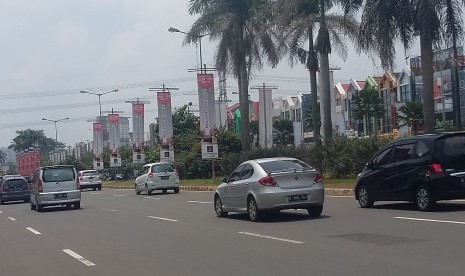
(13, 188)
(119, 176)
(157, 176)
(272, 184)
(55, 185)
(90, 179)
(421, 169)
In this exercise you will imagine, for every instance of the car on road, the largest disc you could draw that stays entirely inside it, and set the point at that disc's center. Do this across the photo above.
(157, 176)
(14, 188)
(55, 185)
(421, 169)
(270, 184)
(89, 179)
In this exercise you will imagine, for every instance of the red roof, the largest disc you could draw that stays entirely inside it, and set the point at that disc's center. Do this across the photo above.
(361, 84)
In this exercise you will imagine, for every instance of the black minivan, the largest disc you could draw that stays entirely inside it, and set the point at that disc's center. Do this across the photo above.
(13, 188)
(421, 169)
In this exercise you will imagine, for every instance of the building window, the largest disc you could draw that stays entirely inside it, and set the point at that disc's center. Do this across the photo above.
(405, 93)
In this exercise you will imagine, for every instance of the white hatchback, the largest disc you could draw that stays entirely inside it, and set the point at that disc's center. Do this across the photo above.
(157, 176)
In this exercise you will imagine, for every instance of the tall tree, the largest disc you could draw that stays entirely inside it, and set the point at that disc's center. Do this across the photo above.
(383, 22)
(34, 138)
(367, 105)
(245, 34)
(324, 48)
(411, 115)
(300, 19)
(283, 132)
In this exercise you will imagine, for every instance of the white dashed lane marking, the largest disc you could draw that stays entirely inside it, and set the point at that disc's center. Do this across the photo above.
(110, 210)
(432, 220)
(151, 197)
(94, 193)
(33, 230)
(270, 237)
(78, 257)
(167, 219)
(13, 219)
(201, 202)
(120, 195)
(1, 212)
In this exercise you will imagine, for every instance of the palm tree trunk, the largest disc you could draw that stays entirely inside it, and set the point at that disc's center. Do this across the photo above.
(426, 44)
(244, 107)
(325, 96)
(312, 66)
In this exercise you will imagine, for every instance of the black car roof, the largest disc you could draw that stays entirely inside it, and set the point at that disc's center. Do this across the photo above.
(429, 137)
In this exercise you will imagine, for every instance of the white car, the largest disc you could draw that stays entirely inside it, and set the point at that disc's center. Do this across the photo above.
(157, 176)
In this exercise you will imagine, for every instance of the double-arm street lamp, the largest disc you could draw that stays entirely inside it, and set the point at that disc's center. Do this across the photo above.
(55, 121)
(196, 37)
(99, 95)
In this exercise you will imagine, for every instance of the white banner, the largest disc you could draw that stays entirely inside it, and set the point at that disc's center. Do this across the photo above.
(138, 125)
(166, 156)
(265, 122)
(97, 146)
(165, 121)
(208, 128)
(298, 134)
(114, 132)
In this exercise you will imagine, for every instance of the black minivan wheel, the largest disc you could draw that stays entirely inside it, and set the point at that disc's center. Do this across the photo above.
(364, 197)
(423, 198)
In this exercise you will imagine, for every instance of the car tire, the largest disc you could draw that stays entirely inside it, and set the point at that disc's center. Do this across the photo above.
(26, 200)
(364, 197)
(68, 205)
(176, 190)
(136, 189)
(94, 189)
(148, 190)
(39, 208)
(423, 198)
(100, 187)
(252, 210)
(2, 202)
(219, 207)
(315, 211)
(77, 205)
(164, 191)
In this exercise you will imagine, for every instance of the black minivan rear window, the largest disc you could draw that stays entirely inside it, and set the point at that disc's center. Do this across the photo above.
(451, 151)
(58, 174)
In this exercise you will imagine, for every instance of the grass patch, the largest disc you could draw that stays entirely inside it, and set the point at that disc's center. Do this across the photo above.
(129, 184)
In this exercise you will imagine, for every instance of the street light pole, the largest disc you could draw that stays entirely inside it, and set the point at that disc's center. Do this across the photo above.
(55, 122)
(99, 102)
(197, 38)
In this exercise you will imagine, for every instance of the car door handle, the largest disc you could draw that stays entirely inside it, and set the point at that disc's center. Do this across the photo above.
(246, 184)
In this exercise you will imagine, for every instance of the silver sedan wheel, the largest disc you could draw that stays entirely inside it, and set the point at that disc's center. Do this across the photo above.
(219, 208)
(252, 208)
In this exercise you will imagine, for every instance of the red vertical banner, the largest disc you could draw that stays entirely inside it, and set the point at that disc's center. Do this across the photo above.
(165, 129)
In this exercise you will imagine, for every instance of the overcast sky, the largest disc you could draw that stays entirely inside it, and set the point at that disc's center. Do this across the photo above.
(52, 49)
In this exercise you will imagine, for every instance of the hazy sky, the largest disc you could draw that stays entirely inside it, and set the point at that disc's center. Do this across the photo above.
(52, 49)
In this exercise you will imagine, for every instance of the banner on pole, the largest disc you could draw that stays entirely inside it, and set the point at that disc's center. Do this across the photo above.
(265, 122)
(97, 146)
(138, 133)
(165, 125)
(208, 129)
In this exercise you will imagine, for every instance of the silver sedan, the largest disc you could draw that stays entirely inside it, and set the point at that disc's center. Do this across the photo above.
(271, 184)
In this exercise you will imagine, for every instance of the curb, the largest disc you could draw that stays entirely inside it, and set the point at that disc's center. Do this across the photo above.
(328, 191)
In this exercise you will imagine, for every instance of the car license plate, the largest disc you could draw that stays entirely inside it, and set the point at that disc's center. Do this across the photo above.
(298, 197)
(164, 177)
(59, 196)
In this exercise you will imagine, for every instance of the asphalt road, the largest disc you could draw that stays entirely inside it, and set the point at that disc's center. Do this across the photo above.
(119, 233)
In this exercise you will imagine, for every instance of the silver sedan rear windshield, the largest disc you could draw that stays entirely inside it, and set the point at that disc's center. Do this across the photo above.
(90, 173)
(283, 165)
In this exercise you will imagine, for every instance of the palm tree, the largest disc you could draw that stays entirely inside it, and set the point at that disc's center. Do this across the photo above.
(383, 22)
(300, 18)
(411, 115)
(243, 28)
(368, 105)
(324, 49)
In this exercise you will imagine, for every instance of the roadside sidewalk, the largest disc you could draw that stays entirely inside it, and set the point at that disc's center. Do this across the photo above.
(328, 191)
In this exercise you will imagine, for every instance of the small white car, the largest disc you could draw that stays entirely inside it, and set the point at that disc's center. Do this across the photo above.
(157, 176)
(90, 179)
